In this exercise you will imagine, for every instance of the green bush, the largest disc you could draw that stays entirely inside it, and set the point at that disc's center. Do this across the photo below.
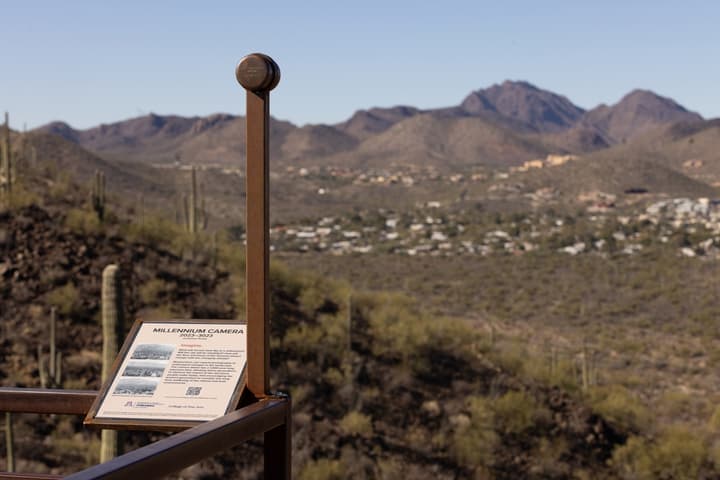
(66, 299)
(454, 335)
(323, 469)
(231, 256)
(621, 407)
(357, 423)
(516, 412)
(153, 290)
(21, 197)
(82, 221)
(397, 331)
(714, 423)
(679, 454)
(511, 358)
(317, 291)
(474, 443)
(562, 375)
(304, 339)
(281, 278)
(159, 232)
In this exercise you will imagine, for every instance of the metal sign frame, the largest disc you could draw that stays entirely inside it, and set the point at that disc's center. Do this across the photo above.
(139, 423)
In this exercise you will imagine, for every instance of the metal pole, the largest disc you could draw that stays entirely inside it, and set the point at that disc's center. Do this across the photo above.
(258, 74)
(278, 449)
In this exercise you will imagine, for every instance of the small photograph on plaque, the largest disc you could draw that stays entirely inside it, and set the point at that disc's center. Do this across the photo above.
(173, 373)
(145, 368)
(153, 351)
(136, 386)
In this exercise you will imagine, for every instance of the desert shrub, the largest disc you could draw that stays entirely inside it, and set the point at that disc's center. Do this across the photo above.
(159, 232)
(715, 455)
(301, 393)
(563, 375)
(239, 293)
(151, 291)
(679, 454)
(397, 331)
(21, 197)
(163, 312)
(231, 256)
(334, 376)
(66, 299)
(511, 358)
(323, 469)
(82, 221)
(454, 335)
(356, 423)
(326, 340)
(390, 469)
(675, 404)
(619, 406)
(367, 302)
(68, 444)
(282, 279)
(474, 442)
(714, 423)
(303, 339)
(515, 412)
(317, 292)
(548, 456)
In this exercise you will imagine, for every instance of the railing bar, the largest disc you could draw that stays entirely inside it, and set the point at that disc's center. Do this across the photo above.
(189, 447)
(46, 400)
(28, 476)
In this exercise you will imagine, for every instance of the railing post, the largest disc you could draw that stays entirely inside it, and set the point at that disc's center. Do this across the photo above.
(258, 74)
(278, 449)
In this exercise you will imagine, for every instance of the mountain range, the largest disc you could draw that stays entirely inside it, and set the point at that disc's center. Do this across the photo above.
(499, 126)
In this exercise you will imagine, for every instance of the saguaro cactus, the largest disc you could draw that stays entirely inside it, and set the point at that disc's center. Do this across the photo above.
(98, 195)
(589, 369)
(7, 166)
(112, 326)
(51, 374)
(9, 443)
(192, 210)
(196, 217)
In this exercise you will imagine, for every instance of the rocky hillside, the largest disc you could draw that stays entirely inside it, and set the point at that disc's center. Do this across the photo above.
(379, 387)
(524, 121)
(636, 113)
(537, 109)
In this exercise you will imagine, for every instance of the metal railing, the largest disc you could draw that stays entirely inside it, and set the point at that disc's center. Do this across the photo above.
(269, 416)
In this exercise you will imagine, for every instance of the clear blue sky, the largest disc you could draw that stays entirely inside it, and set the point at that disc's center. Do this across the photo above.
(87, 62)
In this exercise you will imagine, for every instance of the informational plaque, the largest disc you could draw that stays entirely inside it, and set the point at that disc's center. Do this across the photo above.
(171, 374)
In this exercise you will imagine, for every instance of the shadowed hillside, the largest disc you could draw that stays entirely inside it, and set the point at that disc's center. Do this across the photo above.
(379, 387)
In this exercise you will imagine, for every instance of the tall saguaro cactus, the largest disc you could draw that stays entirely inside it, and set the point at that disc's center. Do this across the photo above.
(196, 217)
(7, 167)
(51, 374)
(98, 195)
(192, 210)
(112, 326)
(9, 443)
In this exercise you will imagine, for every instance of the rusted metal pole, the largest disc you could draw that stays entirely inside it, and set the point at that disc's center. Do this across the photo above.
(258, 74)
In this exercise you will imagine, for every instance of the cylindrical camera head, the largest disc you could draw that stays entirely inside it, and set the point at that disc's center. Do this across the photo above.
(257, 72)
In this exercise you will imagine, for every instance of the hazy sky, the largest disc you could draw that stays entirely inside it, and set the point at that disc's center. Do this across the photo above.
(86, 62)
